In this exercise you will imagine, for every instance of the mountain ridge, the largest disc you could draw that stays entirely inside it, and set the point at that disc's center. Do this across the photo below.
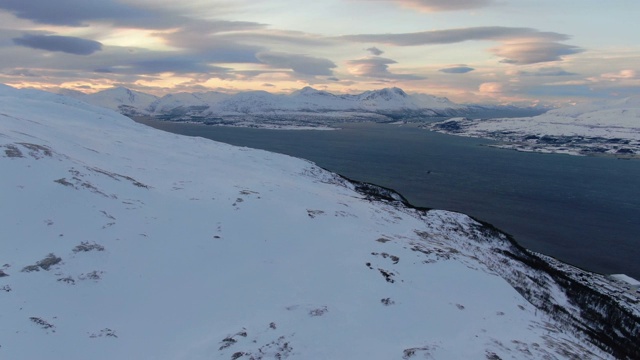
(306, 108)
(390, 103)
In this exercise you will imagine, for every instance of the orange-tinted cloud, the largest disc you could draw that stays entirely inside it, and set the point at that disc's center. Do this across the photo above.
(443, 5)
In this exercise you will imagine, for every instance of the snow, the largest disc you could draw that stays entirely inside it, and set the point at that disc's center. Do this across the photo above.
(201, 250)
(171, 102)
(611, 127)
(309, 99)
(306, 108)
(118, 97)
(626, 279)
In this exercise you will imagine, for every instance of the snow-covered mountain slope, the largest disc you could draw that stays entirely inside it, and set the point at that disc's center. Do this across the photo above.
(183, 103)
(121, 99)
(610, 127)
(388, 101)
(304, 106)
(123, 242)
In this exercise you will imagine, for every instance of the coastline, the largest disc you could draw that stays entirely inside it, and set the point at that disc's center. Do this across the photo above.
(516, 134)
(381, 193)
(546, 150)
(246, 125)
(591, 295)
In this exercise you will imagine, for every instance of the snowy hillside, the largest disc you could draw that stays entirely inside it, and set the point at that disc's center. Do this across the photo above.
(124, 242)
(123, 100)
(611, 127)
(307, 106)
(182, 103)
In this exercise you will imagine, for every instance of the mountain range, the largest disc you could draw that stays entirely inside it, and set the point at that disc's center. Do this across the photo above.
(125, 242)
(305, 105)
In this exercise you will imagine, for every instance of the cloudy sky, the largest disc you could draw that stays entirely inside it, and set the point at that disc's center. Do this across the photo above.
(503, 51)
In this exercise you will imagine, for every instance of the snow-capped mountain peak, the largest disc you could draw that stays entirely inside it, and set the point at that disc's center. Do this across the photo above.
(386, 94)
(183, 102)
(121, 99)
(309, 91)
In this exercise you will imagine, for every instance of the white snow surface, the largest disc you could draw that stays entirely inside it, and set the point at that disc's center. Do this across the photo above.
(309, 99)
(579, 129)
(171, 102)
(116, 98)
(173, 247)
(611, 119)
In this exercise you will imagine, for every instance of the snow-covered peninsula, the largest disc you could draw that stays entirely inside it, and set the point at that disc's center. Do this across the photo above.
(606, 127)
(125, 242)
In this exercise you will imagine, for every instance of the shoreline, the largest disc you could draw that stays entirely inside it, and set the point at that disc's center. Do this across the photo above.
(243, 125)
(542, 150)
(577, 142)
(620, 288)
(390, 194)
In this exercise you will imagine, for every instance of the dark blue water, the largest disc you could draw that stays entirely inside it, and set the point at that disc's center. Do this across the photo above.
(582, 210)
